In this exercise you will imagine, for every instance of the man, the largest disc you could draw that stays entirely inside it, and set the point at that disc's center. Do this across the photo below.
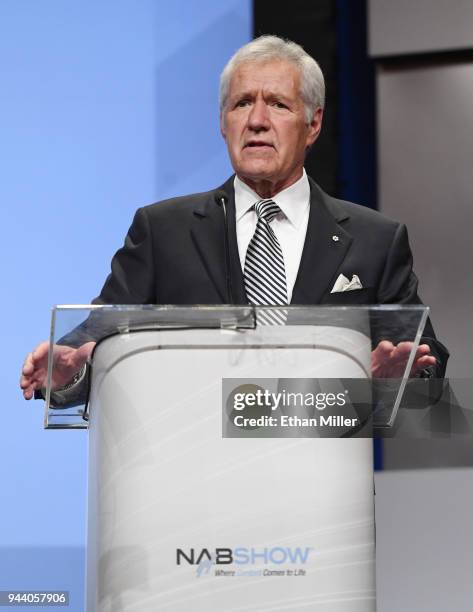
(270, 235)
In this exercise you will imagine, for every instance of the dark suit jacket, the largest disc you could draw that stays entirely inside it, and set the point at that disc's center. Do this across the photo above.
(174, 253)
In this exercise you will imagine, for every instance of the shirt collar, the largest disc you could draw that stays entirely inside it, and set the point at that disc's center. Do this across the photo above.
(293, 201)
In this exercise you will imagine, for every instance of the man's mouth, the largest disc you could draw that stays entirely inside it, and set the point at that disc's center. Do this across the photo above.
(253, 144)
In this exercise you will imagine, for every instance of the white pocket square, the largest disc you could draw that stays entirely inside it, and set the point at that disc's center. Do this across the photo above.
(343, 284)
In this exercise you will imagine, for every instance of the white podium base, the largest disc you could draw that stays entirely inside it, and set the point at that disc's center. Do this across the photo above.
(297, 515)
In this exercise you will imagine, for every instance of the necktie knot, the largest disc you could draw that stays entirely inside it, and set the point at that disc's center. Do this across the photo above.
(266, 210)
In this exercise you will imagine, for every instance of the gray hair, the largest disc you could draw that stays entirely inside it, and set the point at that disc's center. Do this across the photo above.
(267, 48)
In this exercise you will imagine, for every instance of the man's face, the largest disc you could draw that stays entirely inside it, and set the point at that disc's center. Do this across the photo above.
(264, 123)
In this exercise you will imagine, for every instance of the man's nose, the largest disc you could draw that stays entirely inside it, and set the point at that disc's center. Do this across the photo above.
(258, 118)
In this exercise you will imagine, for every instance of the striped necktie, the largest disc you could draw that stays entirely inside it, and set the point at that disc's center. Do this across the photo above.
(264, 274)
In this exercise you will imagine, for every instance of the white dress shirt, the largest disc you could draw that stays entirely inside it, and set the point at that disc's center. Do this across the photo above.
(290, 225)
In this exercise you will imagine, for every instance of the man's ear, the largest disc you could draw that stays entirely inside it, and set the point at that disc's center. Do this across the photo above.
(315, 127)
(222, 126)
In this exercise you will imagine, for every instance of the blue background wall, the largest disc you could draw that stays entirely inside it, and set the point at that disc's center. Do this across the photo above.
(105, 106)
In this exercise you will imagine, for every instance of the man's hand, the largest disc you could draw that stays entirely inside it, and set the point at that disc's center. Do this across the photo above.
(67, 362)
(389, 360)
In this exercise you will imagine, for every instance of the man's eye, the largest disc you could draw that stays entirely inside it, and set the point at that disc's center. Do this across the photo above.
(280, 105)
(242, 103)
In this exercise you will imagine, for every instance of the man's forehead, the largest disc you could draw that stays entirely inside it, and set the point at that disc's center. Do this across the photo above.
(269, 74)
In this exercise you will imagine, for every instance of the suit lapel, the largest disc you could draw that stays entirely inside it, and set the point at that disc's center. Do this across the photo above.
(208, 232)
(322, 255)
(325, 247)
(238, 285)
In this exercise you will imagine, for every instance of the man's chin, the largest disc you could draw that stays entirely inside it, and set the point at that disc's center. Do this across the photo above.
(256, 172)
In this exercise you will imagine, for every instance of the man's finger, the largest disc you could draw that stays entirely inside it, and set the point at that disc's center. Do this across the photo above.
(25, 382)
(385, 346)
(421, 363)
(84, 352)
(426, 360)
(40, 352)
(423, 349)
(29, 392)
(403, 349)
(39, 377)
(33, 371)
(28, 366)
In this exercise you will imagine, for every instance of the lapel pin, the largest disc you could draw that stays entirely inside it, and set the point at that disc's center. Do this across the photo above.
(335, 238)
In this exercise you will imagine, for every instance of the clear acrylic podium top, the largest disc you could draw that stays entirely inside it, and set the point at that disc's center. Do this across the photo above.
(269, 328)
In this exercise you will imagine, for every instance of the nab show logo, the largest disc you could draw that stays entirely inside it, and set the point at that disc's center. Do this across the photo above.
(205, 558)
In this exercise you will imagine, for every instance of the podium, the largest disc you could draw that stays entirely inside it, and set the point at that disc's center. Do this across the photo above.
(214, 482)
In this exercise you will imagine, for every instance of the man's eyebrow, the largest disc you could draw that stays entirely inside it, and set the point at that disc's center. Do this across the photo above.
(243, 94)
(279, 96)
(272, 94)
